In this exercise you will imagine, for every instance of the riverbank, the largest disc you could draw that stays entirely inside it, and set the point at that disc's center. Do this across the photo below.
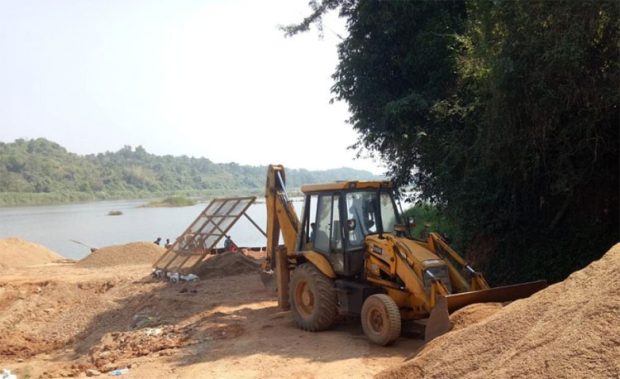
(17, 199)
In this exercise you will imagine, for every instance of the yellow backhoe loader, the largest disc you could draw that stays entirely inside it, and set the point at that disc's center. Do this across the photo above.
(350, 254)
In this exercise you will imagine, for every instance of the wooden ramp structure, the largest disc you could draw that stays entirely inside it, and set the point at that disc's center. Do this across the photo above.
(203, 234)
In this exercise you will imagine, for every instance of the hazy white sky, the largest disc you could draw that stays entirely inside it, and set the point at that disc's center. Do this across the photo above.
(210, 78)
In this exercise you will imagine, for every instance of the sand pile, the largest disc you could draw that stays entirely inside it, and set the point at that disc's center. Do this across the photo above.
(226, 264)
(19, 253)
(569, 330)
(473, 314)
(128, 254)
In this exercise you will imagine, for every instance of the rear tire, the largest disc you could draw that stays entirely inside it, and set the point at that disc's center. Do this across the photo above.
(381, 319)
(314, 303)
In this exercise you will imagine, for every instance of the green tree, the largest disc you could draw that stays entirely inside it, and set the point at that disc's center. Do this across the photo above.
(540, 80)
(504, 114)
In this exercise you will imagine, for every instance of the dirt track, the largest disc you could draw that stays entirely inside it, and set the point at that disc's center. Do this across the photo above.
(60, 320)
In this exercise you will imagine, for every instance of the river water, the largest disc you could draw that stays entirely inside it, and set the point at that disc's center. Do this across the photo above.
(55, 226)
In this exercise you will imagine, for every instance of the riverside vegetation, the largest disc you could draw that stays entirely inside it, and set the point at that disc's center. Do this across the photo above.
(39, 171)
(172, 201)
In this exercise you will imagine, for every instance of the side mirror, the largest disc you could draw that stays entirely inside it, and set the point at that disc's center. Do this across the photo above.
(351, 224)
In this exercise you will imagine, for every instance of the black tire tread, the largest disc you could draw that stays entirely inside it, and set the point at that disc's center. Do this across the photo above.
(393, 315)
(325, 298)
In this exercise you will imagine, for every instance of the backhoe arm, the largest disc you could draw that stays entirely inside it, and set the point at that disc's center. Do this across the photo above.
(281, 215)
(281, 218)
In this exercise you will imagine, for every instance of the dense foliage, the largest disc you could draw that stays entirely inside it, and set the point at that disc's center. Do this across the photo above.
(38, 171)
(504, 114)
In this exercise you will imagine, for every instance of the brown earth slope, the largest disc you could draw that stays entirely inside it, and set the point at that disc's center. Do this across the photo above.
(569, 330)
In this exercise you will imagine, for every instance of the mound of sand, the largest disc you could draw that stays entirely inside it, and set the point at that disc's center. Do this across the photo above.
(19, 253)
(226, 264)
(473, 314)
(569, 330)
(129, 254)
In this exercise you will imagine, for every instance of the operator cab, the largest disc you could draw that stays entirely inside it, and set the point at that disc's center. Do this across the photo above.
(337, 218)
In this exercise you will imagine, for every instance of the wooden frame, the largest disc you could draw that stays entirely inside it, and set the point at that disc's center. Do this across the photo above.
(204, 233)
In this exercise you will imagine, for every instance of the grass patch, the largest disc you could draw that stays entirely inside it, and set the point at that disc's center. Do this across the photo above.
(169, 202)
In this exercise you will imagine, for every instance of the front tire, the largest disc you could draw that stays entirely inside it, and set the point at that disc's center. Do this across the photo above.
(314, 302)
(381, 319)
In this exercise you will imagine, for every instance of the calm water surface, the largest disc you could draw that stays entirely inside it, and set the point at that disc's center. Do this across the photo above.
(55, 226)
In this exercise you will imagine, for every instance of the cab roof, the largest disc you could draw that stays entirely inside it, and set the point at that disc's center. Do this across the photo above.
(346, 185)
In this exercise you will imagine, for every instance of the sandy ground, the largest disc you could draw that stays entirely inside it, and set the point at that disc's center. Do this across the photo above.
(59, 320)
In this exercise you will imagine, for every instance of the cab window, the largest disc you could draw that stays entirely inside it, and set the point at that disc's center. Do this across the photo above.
(309, 217)
(388, 213)
(368, 212)
(323, 223)
(327, 230)
(361, 217)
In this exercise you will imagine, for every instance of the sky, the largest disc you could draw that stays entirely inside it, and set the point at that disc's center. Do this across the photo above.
(210, 78)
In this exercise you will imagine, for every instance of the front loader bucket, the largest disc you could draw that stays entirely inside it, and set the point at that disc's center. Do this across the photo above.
(439, 323)
(494, 295)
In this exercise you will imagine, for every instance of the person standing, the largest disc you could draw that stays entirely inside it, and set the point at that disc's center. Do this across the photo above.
(229, 245)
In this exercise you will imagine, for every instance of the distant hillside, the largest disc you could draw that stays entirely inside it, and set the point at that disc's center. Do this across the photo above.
(41, 171)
